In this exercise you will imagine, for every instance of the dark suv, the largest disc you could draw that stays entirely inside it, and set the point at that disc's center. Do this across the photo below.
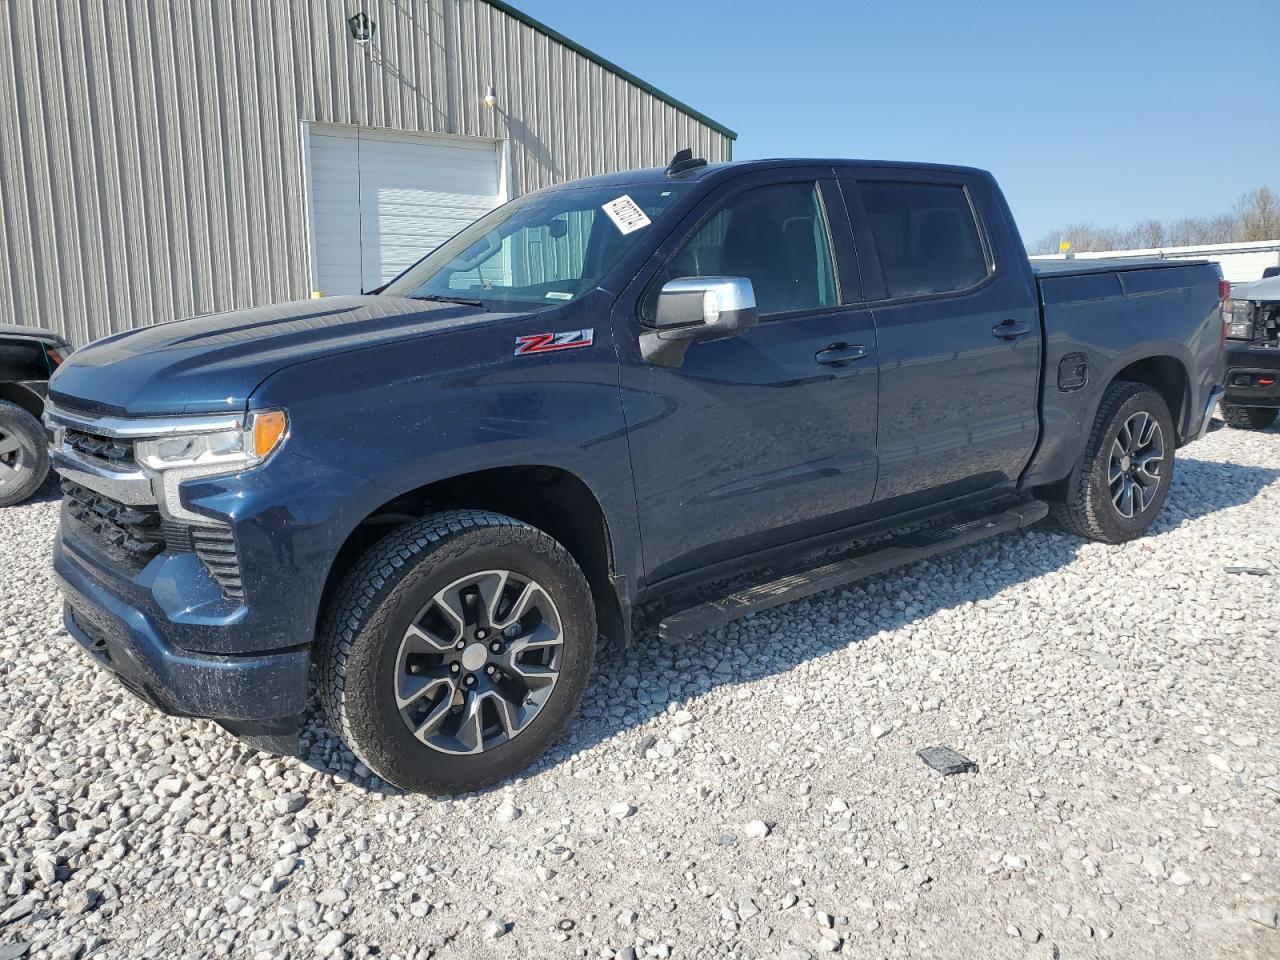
(28, 357)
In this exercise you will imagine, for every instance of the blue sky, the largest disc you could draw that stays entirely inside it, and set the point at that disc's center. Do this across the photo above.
(1110, 112)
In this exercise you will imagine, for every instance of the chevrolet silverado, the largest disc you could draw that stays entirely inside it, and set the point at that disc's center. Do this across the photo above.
(710, 389)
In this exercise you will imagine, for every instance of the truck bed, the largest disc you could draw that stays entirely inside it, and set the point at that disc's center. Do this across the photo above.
(1068, 268)
(1094, 312)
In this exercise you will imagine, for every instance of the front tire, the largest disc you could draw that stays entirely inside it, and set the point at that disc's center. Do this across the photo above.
(24, 454)
(456, 650)
(1123, 477)
(1248, 418)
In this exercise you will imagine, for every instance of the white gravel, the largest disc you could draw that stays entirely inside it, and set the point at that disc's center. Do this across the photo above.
(750, 794)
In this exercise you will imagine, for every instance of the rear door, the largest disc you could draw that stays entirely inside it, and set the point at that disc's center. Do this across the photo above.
(770, 435)
(958, 330)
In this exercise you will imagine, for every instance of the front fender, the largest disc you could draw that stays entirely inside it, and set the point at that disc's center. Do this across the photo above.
(391, 415)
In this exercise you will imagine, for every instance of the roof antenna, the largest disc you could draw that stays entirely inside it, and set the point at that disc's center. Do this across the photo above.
(684, 160)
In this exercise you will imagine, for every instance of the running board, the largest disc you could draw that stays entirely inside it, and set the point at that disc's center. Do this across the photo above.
(907, 548)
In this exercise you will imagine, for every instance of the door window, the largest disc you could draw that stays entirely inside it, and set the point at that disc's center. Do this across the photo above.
(775, 236)
(926, 236)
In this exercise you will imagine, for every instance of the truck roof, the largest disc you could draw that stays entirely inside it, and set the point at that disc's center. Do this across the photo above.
(717, 171)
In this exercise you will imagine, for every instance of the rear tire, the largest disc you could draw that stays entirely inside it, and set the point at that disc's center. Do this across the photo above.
(1123, 477)
(24, 454)
(1248, 418)
(456, 650)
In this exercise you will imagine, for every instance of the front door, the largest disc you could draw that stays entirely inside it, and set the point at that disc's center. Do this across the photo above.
(762, 437)
(959, 335)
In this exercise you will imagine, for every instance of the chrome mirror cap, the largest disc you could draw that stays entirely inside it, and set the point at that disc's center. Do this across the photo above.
(707, 300)
(692, 309)
(714, 301)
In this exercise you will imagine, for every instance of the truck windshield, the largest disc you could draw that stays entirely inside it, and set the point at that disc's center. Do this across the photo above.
(540, 250)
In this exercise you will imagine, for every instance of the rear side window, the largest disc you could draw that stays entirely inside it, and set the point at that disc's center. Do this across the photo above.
(776, 237)
(22, 359)
(926, 236)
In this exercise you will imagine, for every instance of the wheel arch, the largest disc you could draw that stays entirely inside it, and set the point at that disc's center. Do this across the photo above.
(1050, 473)
(553, 499)
(22, 396)
(1166, 375)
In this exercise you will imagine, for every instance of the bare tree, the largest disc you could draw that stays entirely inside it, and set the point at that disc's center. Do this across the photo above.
(1149, 233)
(1081, 236)
(1258, 215)
(1184, 232)
(1255, 216)
(1224, 228)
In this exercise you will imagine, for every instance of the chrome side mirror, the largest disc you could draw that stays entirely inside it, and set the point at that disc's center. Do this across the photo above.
(698, 308)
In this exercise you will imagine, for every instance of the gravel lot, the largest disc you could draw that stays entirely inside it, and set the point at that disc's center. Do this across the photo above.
(752, 794)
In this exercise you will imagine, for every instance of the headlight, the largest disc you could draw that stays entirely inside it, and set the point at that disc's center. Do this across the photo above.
(1240, 322)
(173, 459)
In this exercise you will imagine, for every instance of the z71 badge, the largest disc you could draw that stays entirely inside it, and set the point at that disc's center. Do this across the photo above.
(547, 342)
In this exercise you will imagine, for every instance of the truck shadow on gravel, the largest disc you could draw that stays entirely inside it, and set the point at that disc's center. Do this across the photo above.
(48, 492)
(631, 687)
(1203, 487)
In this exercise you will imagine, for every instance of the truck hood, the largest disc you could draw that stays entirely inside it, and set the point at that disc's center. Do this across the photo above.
(1268, 289)
(211, 364)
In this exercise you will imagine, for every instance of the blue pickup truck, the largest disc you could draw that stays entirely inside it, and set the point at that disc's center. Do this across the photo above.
(710, 389)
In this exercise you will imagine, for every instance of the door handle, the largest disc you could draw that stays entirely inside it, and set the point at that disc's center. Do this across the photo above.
(840, 354)
(1010, 330)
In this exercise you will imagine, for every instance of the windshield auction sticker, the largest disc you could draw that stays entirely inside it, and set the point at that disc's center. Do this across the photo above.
(626, 215)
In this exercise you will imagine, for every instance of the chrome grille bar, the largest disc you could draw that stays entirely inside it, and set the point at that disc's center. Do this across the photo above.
(143, 427)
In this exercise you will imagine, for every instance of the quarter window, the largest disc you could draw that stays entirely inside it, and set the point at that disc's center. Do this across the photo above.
(776, 237)
(926, 236)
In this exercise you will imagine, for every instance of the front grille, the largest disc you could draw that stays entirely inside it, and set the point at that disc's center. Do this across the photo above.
(216, 548)
(133, 535)
(129, 534)
(1267, 324)
(113, 452)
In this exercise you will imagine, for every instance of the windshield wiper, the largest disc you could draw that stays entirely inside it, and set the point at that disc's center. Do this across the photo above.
(437, 298)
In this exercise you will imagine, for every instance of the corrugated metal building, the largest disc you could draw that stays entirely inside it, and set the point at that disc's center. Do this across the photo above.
(159, 160)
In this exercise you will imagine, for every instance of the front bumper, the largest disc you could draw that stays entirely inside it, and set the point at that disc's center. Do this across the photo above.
(213, 619)
(1253, 375)
(260, 698)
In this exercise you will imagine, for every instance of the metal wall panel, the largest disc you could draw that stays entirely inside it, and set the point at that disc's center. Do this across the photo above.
(151, 152)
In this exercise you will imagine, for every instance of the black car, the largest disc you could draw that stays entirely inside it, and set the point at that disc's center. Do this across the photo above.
(28, 356)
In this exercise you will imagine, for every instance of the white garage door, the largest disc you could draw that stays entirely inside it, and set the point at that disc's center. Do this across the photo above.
(379, 200)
